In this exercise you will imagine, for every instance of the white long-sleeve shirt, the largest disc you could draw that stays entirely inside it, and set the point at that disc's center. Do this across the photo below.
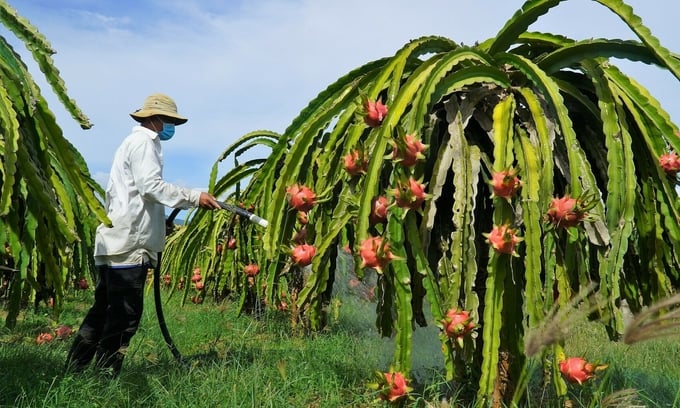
(136, 197)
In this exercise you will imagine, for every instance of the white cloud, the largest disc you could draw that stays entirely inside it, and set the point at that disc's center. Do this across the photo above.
(101, 20)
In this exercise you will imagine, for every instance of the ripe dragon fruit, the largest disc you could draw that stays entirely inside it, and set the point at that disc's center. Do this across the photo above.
(232, 243)
(395, 387)
(63, 331)
(565, 212)
(356, 163)
(375, 253)
(505, 184)
(458, 324)
(375, 113)
(196, 277)
(379, 208)
(301, 197)
(503, 239)
(44, 338)
(302, 254)
(408, 150)
(670, 163)
(578, 370)
(410, 194)
(251, 270)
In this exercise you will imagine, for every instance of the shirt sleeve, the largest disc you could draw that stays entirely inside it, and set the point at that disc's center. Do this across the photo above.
(146, 168)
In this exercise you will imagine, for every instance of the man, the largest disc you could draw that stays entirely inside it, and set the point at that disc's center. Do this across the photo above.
(136, 197)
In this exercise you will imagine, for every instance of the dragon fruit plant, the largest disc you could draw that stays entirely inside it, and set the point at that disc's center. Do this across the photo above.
(509, 172)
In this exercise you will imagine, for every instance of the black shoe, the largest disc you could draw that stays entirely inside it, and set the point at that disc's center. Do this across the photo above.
(80, 355)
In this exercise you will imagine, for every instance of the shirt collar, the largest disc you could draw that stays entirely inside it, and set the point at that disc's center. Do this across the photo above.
(139, 128)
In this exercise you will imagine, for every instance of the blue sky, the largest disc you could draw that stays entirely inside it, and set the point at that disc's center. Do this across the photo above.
(240, 65)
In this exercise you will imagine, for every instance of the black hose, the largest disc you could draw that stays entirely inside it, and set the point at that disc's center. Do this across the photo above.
(159, 311)
(157, 294)
(169, 227)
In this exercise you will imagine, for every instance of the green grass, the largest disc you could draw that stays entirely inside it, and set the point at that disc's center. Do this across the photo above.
(230, 360)
(239, 361)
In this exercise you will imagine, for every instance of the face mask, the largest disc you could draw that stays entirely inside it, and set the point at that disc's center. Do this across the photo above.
(167, 132)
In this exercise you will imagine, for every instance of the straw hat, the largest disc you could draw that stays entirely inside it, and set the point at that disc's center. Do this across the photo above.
(158, 104)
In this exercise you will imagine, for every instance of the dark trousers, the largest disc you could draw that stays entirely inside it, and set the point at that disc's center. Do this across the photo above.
(111, 321)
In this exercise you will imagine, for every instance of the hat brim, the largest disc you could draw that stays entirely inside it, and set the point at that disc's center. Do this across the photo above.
(142, 114)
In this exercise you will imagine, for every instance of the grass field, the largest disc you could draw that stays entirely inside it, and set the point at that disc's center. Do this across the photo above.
(239, 361)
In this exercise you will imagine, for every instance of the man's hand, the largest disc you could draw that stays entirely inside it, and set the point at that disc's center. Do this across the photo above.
(209, 202)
